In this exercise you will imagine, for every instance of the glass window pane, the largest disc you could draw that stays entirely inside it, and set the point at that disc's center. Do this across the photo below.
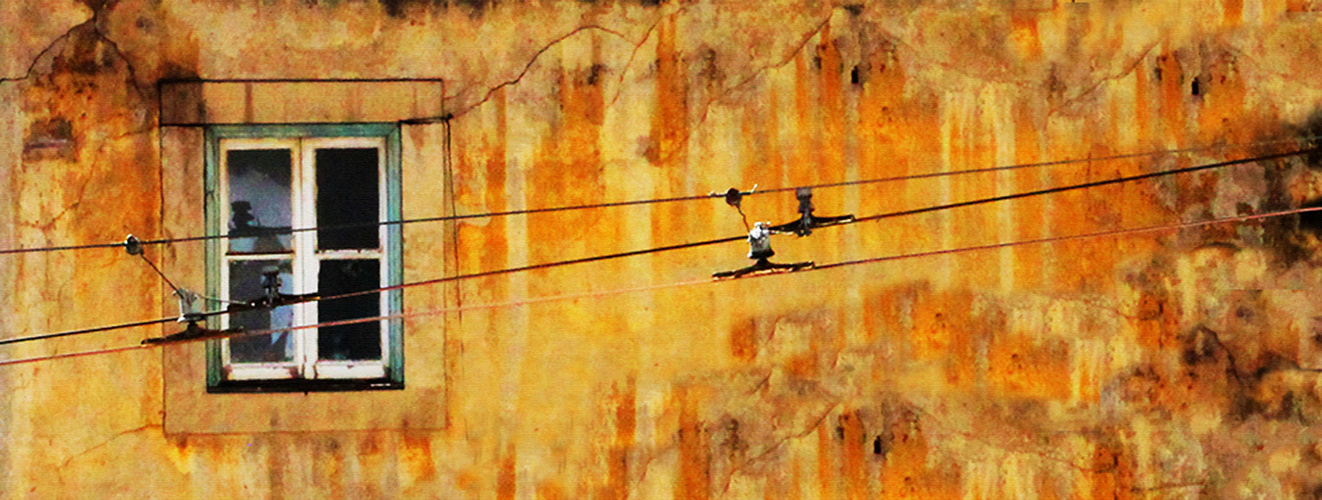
(347, 195)
(246, 284)
(259, 191)
(361, 341)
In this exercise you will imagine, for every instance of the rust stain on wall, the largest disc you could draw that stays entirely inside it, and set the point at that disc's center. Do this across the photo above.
(1165, 364)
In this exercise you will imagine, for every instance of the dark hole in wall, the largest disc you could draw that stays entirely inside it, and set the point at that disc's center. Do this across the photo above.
(853, 75)
(1311, 221)
(1194, 87)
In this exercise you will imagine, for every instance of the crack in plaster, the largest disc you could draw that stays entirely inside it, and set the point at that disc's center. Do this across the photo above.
(1290, 365)
(803, 42)
(133, 73)
(94, 22)
(619, 88)
(78, 198)
(526, 67)
(1093, 88)
(1281, 77)
(775, 446)
(1009, 448)
(33, 65)
(87, 179)
(59, 471)
(922, 60)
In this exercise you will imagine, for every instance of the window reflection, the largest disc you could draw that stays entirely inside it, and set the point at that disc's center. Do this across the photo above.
(259, 198)
(246, 284)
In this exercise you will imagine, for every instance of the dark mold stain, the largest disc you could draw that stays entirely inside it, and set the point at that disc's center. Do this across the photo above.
(710, 69)
(98, 5)
(594, 74)
(1197, 347)
(1312, 131)
(401, 8)
(1298, 238)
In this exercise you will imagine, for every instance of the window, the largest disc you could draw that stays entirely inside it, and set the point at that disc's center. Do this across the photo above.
(343, 180)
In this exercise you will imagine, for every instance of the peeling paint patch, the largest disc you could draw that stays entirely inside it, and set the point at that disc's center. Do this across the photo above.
(50, 139)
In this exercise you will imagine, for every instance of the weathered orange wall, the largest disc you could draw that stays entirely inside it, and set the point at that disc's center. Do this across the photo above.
(1166, 364)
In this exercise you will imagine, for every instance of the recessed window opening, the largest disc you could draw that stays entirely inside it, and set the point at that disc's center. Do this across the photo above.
(266, 186)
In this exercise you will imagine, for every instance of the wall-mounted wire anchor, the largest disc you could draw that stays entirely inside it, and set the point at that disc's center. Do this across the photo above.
(734, 197)
(193, 332)
(189, 309)
(807, 221)
(133, 245)
(759, 249)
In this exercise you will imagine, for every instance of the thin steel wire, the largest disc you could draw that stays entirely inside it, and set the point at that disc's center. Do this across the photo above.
(834, 265)
(340, 227)
(597, 294)
(696, 244)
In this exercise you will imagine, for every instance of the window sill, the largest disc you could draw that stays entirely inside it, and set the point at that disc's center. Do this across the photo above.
(341, 385)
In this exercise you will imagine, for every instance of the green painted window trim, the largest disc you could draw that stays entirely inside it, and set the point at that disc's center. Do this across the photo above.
(394, 378)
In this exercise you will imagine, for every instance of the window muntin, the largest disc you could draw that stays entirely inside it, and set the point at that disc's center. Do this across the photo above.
(272, 184)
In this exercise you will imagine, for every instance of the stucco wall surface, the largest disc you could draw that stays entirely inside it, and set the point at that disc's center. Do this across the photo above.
(1174, 364)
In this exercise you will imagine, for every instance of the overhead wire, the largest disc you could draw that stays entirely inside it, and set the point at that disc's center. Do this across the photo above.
(532, 211)
(84, 331)
(901, 213)
(1086, 185)
(695, 244)
(834, 265)
(582, 295)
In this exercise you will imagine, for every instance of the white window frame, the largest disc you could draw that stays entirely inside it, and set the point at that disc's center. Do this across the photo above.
(306, 367)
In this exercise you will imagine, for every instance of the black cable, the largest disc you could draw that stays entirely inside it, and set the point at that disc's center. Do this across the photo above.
(694, 244)
(159, 273)
(218, 335)
(30, 338)
(1030, 165)
(532, 211)
(833, 265)
(1085, 185)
